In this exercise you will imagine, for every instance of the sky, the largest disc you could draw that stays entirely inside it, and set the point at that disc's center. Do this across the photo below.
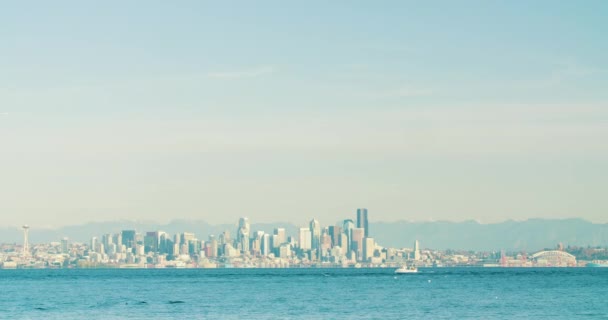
(285, 111)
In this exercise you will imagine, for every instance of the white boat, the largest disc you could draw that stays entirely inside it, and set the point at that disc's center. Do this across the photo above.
(405, 269)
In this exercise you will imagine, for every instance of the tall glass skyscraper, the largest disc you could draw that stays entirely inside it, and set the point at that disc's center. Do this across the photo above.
(348, 227)
(315, 230)
(128, 238)
(362, 220)
(242, 235)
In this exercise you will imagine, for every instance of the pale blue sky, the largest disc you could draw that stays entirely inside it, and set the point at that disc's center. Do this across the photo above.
(486, 110)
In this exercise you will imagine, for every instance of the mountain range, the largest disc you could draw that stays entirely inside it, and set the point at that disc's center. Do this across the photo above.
(530, 235)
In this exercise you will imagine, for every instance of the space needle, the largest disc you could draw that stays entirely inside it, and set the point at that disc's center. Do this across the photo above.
(26, 244)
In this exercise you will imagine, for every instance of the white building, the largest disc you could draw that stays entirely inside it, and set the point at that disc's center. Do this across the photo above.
(305, 239)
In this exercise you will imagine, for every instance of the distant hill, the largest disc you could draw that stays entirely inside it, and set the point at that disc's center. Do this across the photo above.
(529, 235)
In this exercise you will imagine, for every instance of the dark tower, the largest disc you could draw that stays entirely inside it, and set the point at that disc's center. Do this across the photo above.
(128, 238)
(362, 220)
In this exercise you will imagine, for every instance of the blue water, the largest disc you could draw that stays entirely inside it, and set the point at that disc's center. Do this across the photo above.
(442, 293)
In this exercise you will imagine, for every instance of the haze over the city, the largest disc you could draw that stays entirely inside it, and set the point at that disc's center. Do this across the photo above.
(287, 111)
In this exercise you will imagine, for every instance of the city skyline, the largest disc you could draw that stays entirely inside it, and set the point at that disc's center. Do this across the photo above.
(341, 245)
(455, 111)
(532, 234)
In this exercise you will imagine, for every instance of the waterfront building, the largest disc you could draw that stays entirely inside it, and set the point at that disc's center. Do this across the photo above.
(553, 258)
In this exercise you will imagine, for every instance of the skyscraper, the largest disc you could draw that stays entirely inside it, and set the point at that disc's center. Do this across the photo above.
(325, 244)
(151, 241)
(281, 236)
(165, 243)
(265, 246)
(304, 238)
(362, 220)
(26, 245)
(344, 243)
(357, 242)
(213, 247)
(117, 239)
(369, 245)
(106, 239)
(416, 250)
(256, 243)
(334, 233)
(186, 237)
(224, 238)
(315, 229)
(64, 245)
(348, 227)
(93, 244)
(128, 238)
(242, 235)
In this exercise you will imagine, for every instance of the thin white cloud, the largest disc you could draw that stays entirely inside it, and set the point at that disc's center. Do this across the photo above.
(245, 73)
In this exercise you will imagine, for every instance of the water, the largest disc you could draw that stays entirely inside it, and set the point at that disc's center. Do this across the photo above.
(442, 293)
